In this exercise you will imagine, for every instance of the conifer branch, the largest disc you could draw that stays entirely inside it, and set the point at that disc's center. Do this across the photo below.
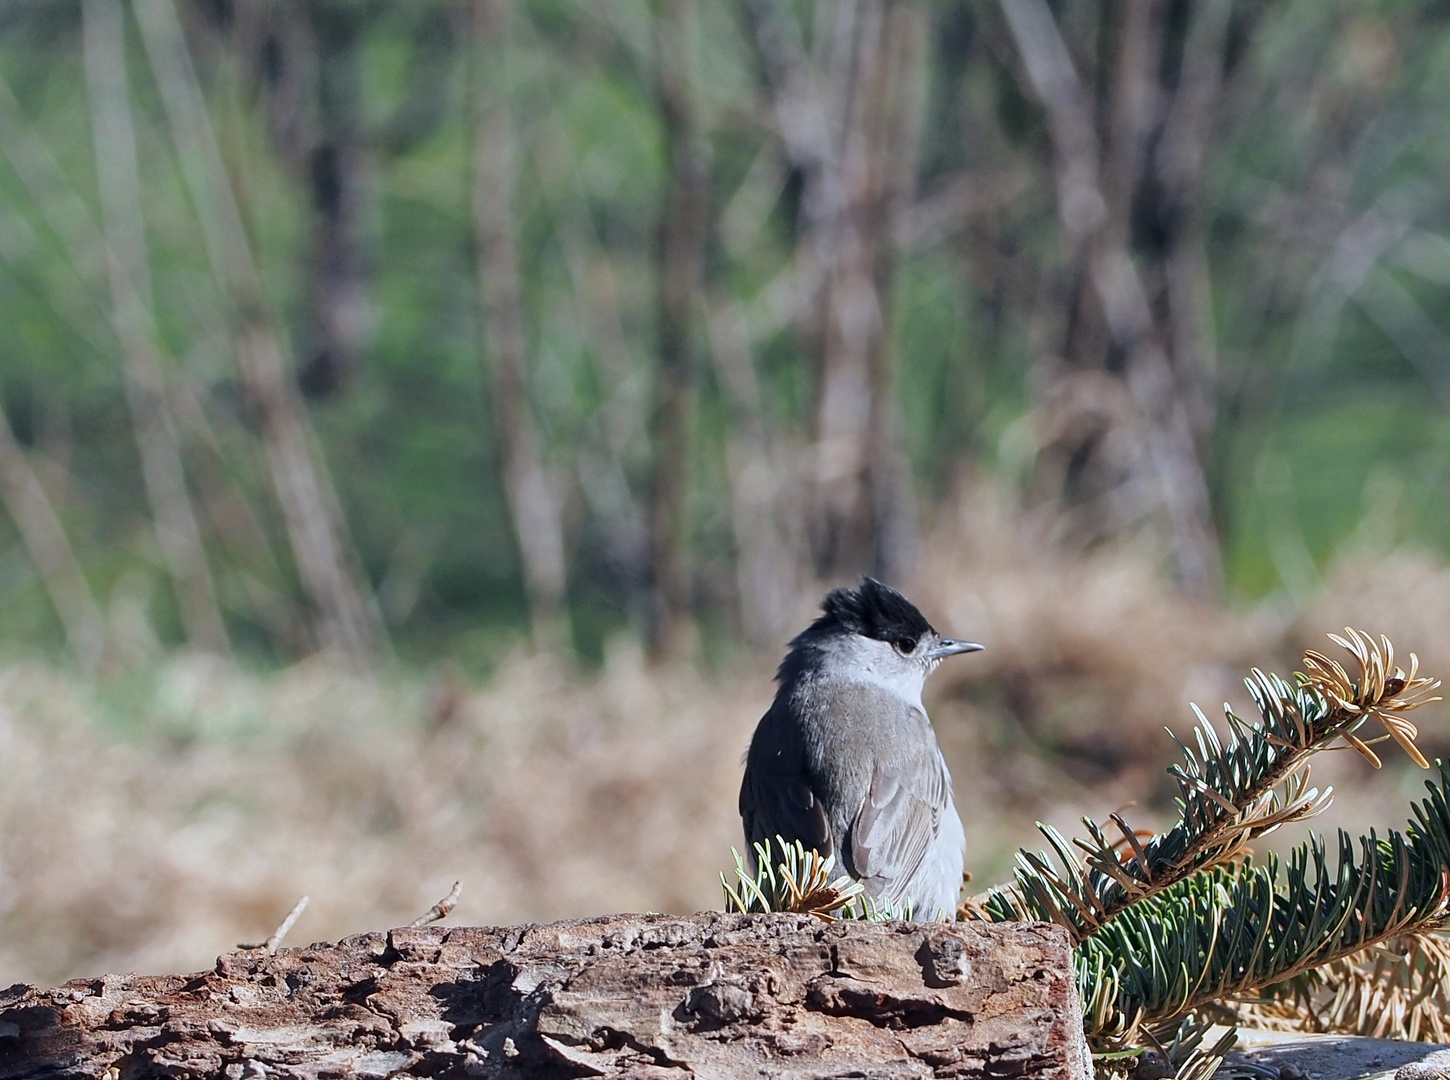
(1169, 924)
(1399, 989)
(1230, 791)
(1231, 931)
(800, 881)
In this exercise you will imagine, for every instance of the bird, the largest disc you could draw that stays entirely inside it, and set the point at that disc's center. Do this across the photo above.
(846, 761)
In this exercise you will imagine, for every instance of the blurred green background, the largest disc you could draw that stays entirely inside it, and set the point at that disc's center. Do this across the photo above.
(425, 422)
(1275, 172)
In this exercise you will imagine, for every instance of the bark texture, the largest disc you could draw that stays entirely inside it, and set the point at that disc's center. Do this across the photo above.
(645, 996)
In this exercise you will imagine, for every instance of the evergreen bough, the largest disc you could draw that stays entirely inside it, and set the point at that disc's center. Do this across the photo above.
(1187, 921)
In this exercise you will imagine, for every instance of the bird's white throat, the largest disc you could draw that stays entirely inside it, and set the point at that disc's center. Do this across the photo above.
(858, 659)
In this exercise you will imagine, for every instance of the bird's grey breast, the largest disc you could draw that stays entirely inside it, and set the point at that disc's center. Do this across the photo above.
(887, 795)
(851, 732)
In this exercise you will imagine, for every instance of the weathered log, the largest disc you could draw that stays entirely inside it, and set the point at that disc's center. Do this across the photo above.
(642, 996)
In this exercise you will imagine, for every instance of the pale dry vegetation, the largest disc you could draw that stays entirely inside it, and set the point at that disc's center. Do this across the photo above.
(150, 822)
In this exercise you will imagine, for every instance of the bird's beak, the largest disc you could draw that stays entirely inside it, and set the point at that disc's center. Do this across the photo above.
(950, 647)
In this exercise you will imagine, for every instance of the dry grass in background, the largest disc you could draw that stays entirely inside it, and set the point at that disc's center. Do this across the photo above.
(152, 825)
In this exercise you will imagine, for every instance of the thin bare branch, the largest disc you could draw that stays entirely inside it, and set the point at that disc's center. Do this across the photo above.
(440, 910)
(275, 939)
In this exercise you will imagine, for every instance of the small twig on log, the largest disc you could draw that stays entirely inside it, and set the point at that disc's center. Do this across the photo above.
(278, 934)
(441, 909)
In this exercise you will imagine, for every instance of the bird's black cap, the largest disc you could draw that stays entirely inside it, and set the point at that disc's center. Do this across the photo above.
(875, 611)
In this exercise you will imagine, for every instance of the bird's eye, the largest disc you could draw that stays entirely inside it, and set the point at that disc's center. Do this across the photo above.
(904, 645)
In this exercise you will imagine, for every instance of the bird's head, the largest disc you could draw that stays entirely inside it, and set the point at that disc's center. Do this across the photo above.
(872, 634)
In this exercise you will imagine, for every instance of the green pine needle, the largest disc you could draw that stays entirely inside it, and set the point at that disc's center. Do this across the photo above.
(1170, 923)
(801, 882)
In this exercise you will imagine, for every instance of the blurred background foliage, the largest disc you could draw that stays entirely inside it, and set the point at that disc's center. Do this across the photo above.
(520, 356)
(896, 262)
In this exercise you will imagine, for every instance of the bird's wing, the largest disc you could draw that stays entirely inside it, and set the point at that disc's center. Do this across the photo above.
(777, 797)
(898, 822)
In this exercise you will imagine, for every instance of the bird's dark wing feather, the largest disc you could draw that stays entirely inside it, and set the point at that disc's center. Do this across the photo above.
(898, 822)
(776, 796)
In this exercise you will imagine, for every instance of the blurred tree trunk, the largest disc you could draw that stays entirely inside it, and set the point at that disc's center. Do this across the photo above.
(878, 167)
(847, 112)
(51, 553)
(601, 454)
(1127, 399)
(532, 493)
(680, 251)
(177, 532)
(1188, 124)
(333, 162)
(769, 533)
(345, 616)
(252, 557)
(72, 222)
(307, 57)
